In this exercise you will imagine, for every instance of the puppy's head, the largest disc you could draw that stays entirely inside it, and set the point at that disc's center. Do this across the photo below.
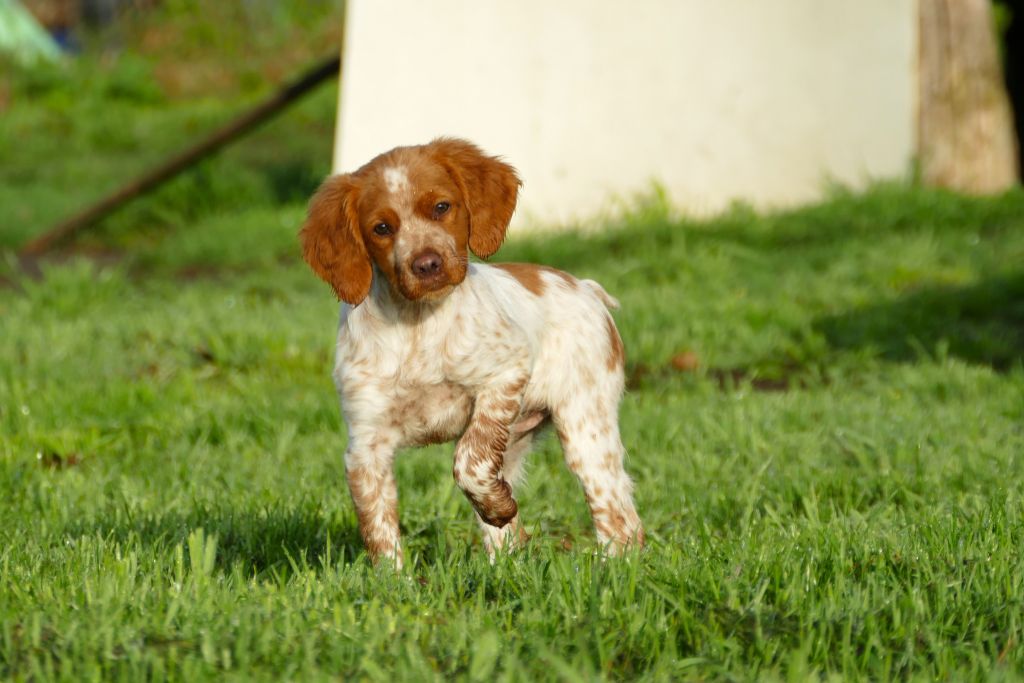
(413, 214)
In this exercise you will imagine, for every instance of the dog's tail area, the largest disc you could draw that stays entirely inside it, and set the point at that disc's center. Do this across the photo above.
(607, 299)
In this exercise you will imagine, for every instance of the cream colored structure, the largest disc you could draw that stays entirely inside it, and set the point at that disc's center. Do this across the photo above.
(594, 101)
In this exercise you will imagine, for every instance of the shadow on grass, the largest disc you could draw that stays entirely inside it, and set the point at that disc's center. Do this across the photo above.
(265, 542)
(883, 210)
(981, 324)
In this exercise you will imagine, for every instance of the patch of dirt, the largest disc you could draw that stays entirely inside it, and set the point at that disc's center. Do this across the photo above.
(784, 377)
(51, 460)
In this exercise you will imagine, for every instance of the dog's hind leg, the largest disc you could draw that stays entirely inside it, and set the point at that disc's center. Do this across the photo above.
(588, 427)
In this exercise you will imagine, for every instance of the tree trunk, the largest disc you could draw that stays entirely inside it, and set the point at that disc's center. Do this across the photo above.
(966, 133)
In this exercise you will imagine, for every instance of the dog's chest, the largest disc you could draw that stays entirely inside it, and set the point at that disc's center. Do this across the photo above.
(426, 414)
(428, 400)
(453, 346)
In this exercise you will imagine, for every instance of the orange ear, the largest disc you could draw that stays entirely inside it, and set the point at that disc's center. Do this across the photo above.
(332, 243)
(489, 187)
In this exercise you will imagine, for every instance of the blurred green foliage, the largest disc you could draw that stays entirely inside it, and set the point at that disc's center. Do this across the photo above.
(71, 132)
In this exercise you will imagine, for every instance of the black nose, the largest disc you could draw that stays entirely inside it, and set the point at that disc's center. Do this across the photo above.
(427, 264)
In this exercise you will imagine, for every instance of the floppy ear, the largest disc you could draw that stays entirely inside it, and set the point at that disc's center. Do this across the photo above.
(331, 241)
(489, 187)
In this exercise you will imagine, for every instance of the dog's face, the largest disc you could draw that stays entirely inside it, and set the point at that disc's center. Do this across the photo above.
(412, 215)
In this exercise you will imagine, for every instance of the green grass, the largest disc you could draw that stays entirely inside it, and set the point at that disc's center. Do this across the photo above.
(835, 491)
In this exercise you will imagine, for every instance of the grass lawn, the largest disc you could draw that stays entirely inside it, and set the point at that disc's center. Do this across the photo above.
(837, 488)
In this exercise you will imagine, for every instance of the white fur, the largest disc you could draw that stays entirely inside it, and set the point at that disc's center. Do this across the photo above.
(396, 180)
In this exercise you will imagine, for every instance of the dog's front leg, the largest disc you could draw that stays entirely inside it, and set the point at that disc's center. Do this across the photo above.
(480, 452)
(371, 481)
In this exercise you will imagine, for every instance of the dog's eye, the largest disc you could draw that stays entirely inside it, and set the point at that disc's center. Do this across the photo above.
(441, 208)
(382, 229)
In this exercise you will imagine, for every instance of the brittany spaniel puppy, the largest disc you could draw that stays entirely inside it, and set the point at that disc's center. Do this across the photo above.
(433, 348)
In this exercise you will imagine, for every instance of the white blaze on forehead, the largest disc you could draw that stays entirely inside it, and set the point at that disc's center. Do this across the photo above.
(396, 179)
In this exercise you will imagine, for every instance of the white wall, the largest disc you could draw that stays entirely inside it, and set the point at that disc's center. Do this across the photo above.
(765, 100)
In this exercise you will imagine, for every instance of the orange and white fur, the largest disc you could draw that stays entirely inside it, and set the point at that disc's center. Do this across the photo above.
(432, 348)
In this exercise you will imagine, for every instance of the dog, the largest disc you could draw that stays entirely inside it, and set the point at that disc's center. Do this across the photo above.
(434, 348)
